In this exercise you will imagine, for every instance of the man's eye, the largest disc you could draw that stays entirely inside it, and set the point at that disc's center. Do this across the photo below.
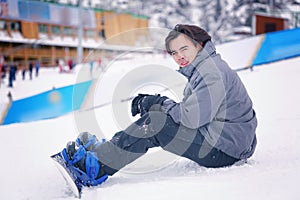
(173, 53)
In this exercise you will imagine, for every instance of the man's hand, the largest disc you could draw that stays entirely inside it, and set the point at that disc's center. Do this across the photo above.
(143, 103)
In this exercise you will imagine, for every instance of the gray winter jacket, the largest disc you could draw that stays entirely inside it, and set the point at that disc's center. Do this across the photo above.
(217, 104)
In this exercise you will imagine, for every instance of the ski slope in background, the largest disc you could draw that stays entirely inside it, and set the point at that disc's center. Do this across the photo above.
(272, 173)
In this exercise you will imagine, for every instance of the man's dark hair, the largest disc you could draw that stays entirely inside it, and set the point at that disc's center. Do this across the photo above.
(197, 34)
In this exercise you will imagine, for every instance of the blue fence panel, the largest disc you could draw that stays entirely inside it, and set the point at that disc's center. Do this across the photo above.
(47, 105)
(278, 45)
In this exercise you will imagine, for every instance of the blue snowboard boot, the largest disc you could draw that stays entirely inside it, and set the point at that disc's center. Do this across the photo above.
(84, 161)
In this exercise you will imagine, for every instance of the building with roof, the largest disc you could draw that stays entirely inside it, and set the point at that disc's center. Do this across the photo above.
(33, 30)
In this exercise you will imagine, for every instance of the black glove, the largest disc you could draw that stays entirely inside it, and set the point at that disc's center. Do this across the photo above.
(144, 103)
(135, 104)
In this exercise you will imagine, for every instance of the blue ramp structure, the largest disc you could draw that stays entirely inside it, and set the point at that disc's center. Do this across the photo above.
(278, 46)
(49, 104)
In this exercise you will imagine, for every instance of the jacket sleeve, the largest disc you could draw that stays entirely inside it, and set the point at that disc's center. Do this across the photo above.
(201, 104)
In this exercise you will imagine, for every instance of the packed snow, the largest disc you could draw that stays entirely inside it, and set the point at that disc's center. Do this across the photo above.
(271, 173)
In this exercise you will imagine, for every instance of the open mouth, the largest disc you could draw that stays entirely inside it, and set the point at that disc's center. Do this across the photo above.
(183, 64)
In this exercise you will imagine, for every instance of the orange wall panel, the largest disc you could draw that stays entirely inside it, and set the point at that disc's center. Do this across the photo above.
(29, 29)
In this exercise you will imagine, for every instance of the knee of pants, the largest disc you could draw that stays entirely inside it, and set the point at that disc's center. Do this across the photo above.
(175, 136)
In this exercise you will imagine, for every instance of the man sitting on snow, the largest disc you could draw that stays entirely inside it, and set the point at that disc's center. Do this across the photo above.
(214, 124)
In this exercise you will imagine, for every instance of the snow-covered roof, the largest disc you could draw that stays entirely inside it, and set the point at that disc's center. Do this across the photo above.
(66, 42)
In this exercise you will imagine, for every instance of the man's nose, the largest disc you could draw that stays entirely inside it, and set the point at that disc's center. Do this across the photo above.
(180, 55)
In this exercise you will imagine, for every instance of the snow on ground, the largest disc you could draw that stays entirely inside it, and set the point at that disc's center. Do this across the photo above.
(272, 173)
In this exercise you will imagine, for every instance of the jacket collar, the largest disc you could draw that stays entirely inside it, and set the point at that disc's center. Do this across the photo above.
(204, 53)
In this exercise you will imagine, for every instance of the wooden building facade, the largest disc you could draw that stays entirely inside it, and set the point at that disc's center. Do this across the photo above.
(49, 37)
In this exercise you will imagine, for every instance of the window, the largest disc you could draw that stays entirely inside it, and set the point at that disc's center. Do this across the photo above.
(15, 26)
(42, 28)
(68, 31)
(2, 25)
(270, 27)
(55, 30)
(90, 33)
(101, 33)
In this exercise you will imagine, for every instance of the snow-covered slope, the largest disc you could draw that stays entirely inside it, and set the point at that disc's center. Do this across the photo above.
(272, 173)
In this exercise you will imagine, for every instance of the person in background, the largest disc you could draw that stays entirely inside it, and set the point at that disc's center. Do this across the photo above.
(37, 68)
(24, 69)
(14, 70)
(11, 75)
(70, 64)
(1, 68)
(91, 67)
(30, 68)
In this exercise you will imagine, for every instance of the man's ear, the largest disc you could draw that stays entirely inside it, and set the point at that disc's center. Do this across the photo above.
(200, 45)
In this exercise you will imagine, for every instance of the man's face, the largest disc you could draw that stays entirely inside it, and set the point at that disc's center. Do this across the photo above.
(183, 50)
